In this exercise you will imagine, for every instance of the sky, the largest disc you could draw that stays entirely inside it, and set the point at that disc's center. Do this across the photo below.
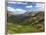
(22, 7)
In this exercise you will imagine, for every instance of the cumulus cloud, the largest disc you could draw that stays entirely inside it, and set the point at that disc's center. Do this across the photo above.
(20, 11)
(20, 3)
(12, 2)
(10, 9)
(17, 2)
(40, 7)
(30, 6)
(16, 11)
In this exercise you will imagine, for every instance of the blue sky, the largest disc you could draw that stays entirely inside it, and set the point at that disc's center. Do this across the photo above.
(22, 7)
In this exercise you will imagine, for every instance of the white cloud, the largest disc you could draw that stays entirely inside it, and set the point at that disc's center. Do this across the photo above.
(17, 3)
(29, 6)
(20, 11)
(12, 2)
(16, 11)
(40, 7)
(10, 9)
(20, 3)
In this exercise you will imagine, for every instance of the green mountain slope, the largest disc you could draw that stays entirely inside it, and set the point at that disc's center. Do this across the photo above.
(29, 22)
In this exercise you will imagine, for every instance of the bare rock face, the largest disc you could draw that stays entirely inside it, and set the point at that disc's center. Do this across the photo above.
(39, 16)
(38, 21)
